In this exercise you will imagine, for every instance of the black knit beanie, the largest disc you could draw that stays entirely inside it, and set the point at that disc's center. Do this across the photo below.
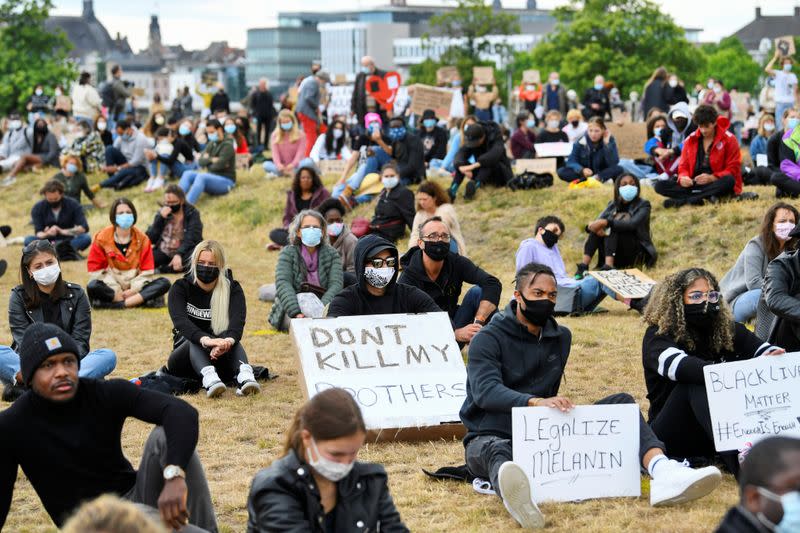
(41, 340)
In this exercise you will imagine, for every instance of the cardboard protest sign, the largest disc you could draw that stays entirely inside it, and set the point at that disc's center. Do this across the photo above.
(531, 76)
(427, 97)
(332, 166)
(384, 89)
(558, 149)
(483, 75)
(785, 45)
(446, 75)
(544, 165)
(753, 399)
(589, 452)
(630, 139)
(628, 283)
(405, 371)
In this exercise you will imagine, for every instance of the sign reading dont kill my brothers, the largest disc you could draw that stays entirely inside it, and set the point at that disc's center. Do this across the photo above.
(753, 399)
(405, 371)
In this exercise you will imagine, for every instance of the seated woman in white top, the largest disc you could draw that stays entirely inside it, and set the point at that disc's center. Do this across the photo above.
(432, 201)
(332, 145)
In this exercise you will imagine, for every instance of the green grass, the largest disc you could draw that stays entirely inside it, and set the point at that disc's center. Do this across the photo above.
(238, 436)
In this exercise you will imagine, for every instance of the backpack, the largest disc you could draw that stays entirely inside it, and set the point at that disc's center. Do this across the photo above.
(107, 94)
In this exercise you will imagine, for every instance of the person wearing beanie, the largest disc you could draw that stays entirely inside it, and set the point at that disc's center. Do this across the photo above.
(69, 461)
(434, 138)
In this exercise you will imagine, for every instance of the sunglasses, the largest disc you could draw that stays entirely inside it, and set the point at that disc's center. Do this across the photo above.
(37, 245)
(378, 262)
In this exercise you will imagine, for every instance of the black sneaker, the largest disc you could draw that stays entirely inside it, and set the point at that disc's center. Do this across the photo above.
(749, 195)
(3, 267)
(638, 304)
(697, 202)
(5, 231)
(451, 192)
(673, 202)
(581, 272)
(470, 190)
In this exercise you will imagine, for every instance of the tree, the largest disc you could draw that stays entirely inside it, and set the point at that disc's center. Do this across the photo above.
(624, 40)
(472, 20)
(730, 62)
(29, 53)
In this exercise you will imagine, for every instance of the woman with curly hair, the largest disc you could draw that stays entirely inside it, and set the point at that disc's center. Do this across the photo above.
(690, 326)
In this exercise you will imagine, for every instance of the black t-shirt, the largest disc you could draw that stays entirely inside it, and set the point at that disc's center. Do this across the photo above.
(51, 311)
(123, 248)
(702, 165)
(302, 204)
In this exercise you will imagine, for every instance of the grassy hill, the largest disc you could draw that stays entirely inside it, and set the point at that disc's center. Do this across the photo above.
(238, 436)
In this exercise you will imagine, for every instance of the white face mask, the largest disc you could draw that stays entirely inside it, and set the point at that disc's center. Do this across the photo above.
(47, 276)
(337, 133)
(15, 124)
(783, 229)
(390, 183)
(379, 277)
(330, 470)
(101, 126)
(769, 126)
(552, 124)
(673, 83)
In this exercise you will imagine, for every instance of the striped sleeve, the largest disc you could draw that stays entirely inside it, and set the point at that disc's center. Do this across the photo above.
(662, 355)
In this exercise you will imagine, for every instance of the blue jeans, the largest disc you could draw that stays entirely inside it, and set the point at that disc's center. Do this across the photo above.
(97, 364)
(157, 168)
(372, 164)
(465, 314)
(780, 107)
(195, 183)
(127, 177)
(179, 168)
(639, 171)
(745, 306)
(484, 115)
(79, 242)
(592, 293)
(271, 167)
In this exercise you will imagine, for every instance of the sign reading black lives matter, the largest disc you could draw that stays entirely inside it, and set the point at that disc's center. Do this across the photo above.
(753, 399)
(405, 371)
(590, 452)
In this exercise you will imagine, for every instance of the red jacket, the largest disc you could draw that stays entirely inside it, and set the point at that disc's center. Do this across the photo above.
(725, 158)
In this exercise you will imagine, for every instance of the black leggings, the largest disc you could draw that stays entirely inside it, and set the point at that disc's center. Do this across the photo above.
(623, 247)
(785, 184)
(162, 262)
(569, 174)
(719, 188)
(485, 175)
(684, 425)
(189, 358)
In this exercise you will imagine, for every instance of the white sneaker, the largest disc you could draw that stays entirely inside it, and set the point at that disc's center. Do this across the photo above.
(8, 181)
(516, 493)
(157, 183)
(247, 381)
(677, 483)
(211, 382)
(149, 186)
(270, 175)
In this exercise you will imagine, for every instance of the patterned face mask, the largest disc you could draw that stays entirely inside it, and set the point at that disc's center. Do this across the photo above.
(379, 277)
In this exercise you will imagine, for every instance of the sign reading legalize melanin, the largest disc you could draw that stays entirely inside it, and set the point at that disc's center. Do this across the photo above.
(628, 283)
(753, 399)
(589, 452)
(405, 371)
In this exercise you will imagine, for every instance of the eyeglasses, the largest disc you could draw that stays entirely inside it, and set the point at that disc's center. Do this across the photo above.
(377, 262)
(699, 297)
(38, 244)
(436, 237)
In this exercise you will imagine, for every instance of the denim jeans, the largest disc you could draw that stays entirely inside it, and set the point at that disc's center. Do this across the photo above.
(780, 107)
(272, 168)
(634, 169)
(127, 177)
(745, 306)
(79, 242)
(195, 183)
(465, 314)
(593, 292)
(97, 364)
(371, 165)
(158, 168)
(179, 168)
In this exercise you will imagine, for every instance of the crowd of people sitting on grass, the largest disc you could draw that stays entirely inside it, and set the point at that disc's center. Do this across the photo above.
(333, 265)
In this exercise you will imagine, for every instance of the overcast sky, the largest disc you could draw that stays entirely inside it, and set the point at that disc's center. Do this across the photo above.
(195, 24)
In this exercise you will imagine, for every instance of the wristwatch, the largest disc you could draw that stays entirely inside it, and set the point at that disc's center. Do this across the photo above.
(172, 471)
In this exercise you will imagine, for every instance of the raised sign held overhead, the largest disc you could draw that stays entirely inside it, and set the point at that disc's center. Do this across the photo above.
(427, 97)
(483, 75)
(753, 399)
(405, 371)
(590, 452)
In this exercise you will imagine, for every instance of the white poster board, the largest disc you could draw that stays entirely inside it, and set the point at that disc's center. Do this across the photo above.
(405, 371)
(628, 283)
(753, 399)
(589, 452)
(561, 149)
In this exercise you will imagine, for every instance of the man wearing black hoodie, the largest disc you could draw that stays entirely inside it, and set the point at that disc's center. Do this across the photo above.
(481, 159)
(65, 434)
(377, 291)
(518, 360)
(432, 267)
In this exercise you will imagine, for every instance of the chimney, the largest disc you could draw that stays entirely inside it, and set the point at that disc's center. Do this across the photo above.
(758, 12)
(398, 3)
(497, 5)
(797, 11)
(88, 9)
(531, 6)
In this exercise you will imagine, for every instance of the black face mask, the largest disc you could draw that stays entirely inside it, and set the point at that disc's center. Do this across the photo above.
(206, 274)
(700, 315)
(550, 239)
(175, 208)
(537, 312)
(575, 123)
(437, 250)
(681, 123)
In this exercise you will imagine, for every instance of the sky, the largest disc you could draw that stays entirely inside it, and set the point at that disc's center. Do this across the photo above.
(195, 24)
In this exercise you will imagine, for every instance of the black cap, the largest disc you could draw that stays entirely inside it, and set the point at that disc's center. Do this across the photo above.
(40, 341)
(428, 113)
(473, 135)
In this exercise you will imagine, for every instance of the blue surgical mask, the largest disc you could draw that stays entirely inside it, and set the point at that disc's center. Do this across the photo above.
(598, 86)
(790, 501)
(792, 123)
(230, 129)
(555, 82)
(530, 123)
(397, 134)
(456, 83)
(72, 168)
(657, 132)
(390, 183)
(335, 229)
(184, 130)
(787, 67)
(628, 192)
(374, 126)
(127, 137)
(286, 126)
(311, 236)
(213, 137)
(365, 70)
(429, 123)
(124, 220)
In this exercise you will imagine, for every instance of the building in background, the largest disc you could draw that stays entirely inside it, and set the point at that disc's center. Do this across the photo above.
(343, 44)
(281, 54)
(758, 36)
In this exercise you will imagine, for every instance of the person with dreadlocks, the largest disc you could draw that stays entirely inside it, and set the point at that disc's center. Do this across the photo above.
(690, 326)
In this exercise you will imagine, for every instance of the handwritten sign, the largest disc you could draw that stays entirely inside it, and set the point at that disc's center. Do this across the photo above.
(557, 149)
(785, 45)
(427, 97)
(483, 75)
(332, 166)
(753, 399)
(531, 76)
(628, 283)
(630, 139)
(590, 452)
(447, 74)
(546, 165)
(405, 371)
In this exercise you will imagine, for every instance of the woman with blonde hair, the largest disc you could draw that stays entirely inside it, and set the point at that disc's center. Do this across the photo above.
(110, 514)
(690, 326)
(288, 147)
(432, 201)
(208, 311)
(318, 485)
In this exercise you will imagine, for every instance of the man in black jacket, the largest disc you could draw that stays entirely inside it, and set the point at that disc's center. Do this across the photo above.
(377, 291)
(432, 267)
(65, 434)
(263, 109)
(518, 360)
(359, 104)
(768, 487)
(173, 241)
(434, 138)
(481, 159)
(60, 219)
(595, 100)
(395, 208)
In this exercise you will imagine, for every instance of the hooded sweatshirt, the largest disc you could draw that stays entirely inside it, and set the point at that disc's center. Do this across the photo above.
(356, 300)
(508, 366)
(678, 136)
